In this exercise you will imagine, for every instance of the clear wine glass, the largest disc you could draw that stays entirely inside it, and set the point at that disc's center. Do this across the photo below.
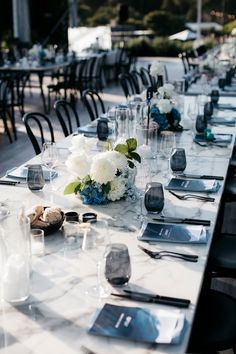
(49, 158)
(95, 242)
(154, 197)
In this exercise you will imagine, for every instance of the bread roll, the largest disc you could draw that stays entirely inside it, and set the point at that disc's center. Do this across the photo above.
(52, 215)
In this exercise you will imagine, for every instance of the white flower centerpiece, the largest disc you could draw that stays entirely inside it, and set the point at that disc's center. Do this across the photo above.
(105, 176)
(157, 71)
(163, 109)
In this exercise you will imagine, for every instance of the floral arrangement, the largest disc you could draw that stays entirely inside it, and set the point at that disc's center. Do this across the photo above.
(105, 176)
(163, 110)
(157, 69)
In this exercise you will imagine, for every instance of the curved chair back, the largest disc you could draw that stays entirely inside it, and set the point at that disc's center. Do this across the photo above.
(127, 84)
(66, 115)
(39, 120)
(94, 103)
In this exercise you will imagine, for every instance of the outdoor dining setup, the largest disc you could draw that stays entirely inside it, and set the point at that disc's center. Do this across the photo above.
(110, 238)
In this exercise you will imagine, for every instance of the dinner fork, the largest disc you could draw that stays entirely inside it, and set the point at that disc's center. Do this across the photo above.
(163, 253)
(192, 196)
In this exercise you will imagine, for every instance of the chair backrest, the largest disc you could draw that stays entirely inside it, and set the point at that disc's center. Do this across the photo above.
(38, 120)
(127, 84)
(94, 103)
(138, 81)
(66, 115)
(146, 77)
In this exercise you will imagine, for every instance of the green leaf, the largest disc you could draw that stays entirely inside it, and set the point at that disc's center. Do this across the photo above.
(71, 187)
(107, 187)
(122, 148)
(135, 156)
(132, 144)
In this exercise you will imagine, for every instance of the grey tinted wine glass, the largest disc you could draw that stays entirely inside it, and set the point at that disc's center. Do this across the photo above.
(178, 160)
(35, 178)
(201, 123)
(154, 197)
(117, 264)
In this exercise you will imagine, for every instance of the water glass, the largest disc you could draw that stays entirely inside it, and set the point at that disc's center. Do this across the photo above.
(49, 155)
(167, 143)
(201, 123)
(73, 235)
(122, 122)
(102, 129)
(37, 242)
(178, 160)
(215, 95)
(147, 140)
(35, 178)
(117, 264)
(154, 197)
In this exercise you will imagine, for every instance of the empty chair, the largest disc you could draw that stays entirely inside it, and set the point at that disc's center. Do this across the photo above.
(5, 112)
(127, 84)
(214, 327)
(38, 121)
(148, 80)
(67, 116)
(138, 81)
(94, 103)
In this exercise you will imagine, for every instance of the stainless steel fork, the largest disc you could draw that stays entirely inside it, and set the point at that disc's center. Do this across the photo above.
(192, 196)
(163, 253)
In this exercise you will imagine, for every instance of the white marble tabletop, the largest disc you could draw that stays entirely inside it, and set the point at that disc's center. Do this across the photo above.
(58, 313)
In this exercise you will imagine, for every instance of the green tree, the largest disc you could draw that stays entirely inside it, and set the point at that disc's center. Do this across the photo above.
(164, 23)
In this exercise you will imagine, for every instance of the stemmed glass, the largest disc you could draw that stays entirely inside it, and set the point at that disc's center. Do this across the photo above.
(192, 111)
(178, 160)
(49, 158)
(95, 242)
(166, 145)
(154, 197)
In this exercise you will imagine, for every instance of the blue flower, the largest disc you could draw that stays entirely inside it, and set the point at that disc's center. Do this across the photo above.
(166, 121)
(93, 194)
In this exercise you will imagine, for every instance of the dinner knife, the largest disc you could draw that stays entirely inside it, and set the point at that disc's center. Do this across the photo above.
(187, 175)
(9, 183)
(156, 299)
(174, 220)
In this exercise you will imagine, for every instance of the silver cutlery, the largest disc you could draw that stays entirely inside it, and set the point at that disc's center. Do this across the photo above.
(192, 196)
(176, 220)
(189, 175)
(163, 253)
(157, 299)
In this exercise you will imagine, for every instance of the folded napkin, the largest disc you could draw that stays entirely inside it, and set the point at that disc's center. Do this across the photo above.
(193, 185)
(217, 138)
(21, 173)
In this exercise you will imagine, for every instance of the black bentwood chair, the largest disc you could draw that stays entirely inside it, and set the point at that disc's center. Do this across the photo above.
(38, 121)
(67, 116)
(214, 327)
(94, 103)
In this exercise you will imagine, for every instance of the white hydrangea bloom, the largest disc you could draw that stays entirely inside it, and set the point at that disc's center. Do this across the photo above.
(102, 170)
(78, 165)
(81, 144)
(157, 68)
(117, 190)
(166, 91)
(118, 159)
(164, 105)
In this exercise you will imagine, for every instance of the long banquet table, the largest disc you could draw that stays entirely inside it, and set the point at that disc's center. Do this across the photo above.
(58, 313)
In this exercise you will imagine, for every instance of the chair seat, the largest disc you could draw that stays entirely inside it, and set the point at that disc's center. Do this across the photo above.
(215, 323)
(230, 186)
(223, 254)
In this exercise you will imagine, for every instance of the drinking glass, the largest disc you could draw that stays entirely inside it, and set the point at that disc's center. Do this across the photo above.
(37, 242)
(147, 140)
(117, 264)
(95, 241)
(215, 95)
(122, 122)
(154, 197)
(102, 129)
(49, 157)
(192, 111)
(167, 143)
(178, 160)
(201, 123)
(35, 178)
